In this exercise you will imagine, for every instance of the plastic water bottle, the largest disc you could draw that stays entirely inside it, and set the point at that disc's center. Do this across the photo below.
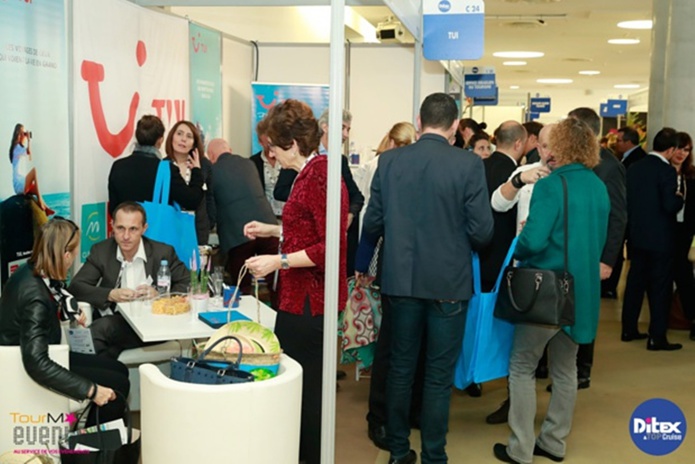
(163, 278)
(354, 155)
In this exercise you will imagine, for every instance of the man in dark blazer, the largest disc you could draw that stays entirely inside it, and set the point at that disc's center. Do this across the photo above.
(533, 129)
(119, 270)
(239, 199)
(132, 178)
(268, 168)
(630, 150)
(510, 137)
(653, 202)
(430, 203)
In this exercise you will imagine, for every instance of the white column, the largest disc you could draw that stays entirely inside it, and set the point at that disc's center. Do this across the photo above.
(661, 10)
(679, 92)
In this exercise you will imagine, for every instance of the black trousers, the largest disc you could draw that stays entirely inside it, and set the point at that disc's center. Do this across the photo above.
(380, 370)
(650, 271)
(106, 372)
(683, 271)
(112, 335)
(301, 338)
(611, 283)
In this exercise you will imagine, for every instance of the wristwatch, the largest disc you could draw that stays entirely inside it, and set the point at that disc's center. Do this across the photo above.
(284, 262)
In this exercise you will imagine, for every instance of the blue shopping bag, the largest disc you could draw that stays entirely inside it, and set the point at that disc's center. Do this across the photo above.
(487, 340)
(167, 223)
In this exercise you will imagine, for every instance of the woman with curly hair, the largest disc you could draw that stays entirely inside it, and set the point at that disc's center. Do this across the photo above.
(541, 246)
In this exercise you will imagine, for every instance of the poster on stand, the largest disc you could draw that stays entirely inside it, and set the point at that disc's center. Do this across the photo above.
(206, 81)
(34, 117)
(266, 95)
(128, 62)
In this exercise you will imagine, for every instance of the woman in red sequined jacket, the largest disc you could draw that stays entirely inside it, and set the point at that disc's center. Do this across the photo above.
(293, 136)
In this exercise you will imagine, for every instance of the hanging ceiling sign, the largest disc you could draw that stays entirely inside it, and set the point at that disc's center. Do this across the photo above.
(487, 101)
(540, 105)
(453, 29)
(479, 82)
(613, 108)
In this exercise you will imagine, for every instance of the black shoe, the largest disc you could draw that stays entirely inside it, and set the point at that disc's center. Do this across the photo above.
(500, 452)
(538, 451)
(377, 433)
(340, 375)
(410, 458)
(499, 416)
(609, 294)
(475, 390)
(661, 344)
(542, 372)
(581, 385)
(692, 333)
(629, 336)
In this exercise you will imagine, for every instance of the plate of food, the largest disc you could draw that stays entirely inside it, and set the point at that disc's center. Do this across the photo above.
(171, 304)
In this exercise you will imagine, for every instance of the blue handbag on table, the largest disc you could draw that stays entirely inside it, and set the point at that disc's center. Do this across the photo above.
(487, 340)
(167, 223)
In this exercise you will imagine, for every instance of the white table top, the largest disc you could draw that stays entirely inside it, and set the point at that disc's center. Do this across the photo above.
(159, 327)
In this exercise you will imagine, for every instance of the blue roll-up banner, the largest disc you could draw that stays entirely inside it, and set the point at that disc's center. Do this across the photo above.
(487, 101)
(540, 105)
(613, 108)
(266, 95)
(479, 82)
(453, 29)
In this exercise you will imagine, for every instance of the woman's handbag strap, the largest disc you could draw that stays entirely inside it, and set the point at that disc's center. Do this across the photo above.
(507, 260)
(566, 214)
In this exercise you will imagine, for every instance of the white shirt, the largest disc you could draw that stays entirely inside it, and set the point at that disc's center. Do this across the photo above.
(522, 198)
(133, 274)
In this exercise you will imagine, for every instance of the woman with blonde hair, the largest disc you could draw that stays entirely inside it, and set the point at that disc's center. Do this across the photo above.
(34, 302)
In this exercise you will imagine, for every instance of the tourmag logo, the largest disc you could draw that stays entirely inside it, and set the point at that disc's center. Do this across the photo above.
(658, 427)
(40, 429)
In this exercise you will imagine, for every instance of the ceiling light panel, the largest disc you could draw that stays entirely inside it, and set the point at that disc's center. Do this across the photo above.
(589, 72)
(623, 41)
(554, 81)
(639, 24)
(514, 63)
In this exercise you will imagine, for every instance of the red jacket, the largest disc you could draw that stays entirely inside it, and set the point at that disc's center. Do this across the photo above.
(304, 228)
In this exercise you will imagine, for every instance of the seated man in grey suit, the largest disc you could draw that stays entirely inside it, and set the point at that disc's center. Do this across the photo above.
(121, 269)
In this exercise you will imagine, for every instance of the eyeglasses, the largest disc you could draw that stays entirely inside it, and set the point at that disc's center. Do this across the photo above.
(74, 229)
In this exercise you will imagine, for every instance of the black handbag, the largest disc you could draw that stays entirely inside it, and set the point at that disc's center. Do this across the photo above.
(538, 296)
(211, 372)
(108, 443)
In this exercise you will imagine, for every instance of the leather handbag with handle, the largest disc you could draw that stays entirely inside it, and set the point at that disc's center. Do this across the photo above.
(539, 296)
(209, 372)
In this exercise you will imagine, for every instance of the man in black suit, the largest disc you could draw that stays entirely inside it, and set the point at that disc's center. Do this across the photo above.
(533, 129)
(630, 150)
(239, 199)
(612, 173)
(653, 202)
(430, 203)
(132, 178)
(119, 270)
(510, 137)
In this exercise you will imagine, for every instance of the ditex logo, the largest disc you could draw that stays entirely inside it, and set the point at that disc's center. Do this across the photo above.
(658, 427)
(444, 6)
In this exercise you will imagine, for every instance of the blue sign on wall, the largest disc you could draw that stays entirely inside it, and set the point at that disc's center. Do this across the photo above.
(453, 29)
(540, 105)
(533, 116)
(613, 108)
(479, 82)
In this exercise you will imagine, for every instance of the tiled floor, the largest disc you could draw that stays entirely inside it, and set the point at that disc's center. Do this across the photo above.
(624, 375)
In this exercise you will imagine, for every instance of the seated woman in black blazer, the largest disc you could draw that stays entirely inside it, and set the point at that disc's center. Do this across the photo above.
(34, 302)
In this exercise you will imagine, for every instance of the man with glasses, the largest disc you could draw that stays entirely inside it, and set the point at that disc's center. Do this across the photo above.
(122, 269)
(628, 146)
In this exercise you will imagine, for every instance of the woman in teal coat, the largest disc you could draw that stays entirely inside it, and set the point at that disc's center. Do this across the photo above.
(575, 151)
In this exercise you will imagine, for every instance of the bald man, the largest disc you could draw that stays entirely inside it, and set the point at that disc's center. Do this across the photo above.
(239, 199)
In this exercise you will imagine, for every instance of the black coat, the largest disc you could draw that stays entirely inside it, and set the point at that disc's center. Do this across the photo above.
(612, 173)
(28, 319)
(652, 204)
(636, 155)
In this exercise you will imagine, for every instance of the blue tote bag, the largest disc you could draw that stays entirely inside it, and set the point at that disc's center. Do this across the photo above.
(167, 223)
(487, 340)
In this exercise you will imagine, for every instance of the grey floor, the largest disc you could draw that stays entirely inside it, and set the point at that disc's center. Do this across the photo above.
(624, 376)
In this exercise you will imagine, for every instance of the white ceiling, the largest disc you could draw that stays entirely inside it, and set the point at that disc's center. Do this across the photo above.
(573, 34)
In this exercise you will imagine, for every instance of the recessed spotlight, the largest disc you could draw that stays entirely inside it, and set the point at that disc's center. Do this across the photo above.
(514, 63)
(554, 81)
(518, 54)
(514, 87)
(639, 24)
(626, 86)
(623, 41)
(589, 72)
